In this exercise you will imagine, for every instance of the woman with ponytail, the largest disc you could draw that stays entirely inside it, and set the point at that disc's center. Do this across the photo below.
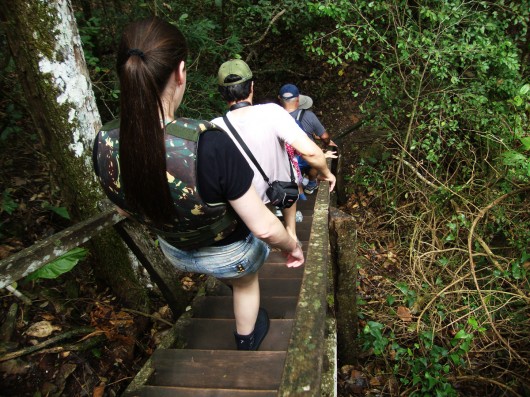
(185, 179)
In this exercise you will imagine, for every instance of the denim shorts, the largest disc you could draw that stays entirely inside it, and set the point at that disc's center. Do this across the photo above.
(228, 261)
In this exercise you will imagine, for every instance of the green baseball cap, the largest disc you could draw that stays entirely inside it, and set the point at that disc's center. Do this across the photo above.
(236, 67)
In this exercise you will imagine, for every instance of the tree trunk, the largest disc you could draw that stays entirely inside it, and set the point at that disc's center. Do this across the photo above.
(45, 43)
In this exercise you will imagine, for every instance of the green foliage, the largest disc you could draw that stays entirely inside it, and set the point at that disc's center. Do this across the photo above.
(59, 266)
(94, 37)
(447, 80)
(207, 50)
(516, 158)
(424, 365)
(8, 205)
(295, 17)
(446, 69)
(61, 211)
(375, 339)
(202, 99)
(409, 295)
(14, 116)
(88, 33)
(215, 31)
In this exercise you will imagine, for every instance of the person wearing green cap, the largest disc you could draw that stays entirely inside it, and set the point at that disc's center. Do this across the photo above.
(266, 129)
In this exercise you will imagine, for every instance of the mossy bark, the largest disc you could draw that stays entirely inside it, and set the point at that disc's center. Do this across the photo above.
(46, 47)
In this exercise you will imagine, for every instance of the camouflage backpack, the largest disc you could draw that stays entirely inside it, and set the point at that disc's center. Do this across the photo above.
(196, 223)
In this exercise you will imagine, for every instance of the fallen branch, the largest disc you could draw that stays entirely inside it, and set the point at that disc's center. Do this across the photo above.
(85, 345)
(484, 305)
(42, 345)
(415, 170)
(18, 294)
(149, 315)
(476, 378)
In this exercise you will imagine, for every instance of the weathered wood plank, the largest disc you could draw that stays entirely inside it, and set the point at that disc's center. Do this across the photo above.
(28, 260)
(303, 231)
(218, 369)
(165, 391)
(279, 270)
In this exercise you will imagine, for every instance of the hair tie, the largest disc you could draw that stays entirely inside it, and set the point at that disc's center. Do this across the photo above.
(136, 51)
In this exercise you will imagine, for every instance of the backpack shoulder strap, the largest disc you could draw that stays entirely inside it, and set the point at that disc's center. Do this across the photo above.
(189, 129)
(300, 115)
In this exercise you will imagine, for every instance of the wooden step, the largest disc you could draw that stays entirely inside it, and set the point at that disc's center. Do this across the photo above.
(273, 287)
(277, 257)
(305, 244)
(220, 307)
(279, 270)
(164, 391)
(307, 217)
(211, 334)
(211, 369)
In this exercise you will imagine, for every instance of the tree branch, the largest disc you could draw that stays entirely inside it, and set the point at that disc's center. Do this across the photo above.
(273, 20)
(42, 345)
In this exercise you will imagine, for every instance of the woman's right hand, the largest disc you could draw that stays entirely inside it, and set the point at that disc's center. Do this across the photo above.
(295, 258)
(267, 227)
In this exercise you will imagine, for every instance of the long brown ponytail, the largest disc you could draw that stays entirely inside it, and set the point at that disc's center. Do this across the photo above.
(149, 52)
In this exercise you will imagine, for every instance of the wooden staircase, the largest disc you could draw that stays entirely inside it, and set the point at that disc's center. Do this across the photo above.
(201, 360)
(197, 356)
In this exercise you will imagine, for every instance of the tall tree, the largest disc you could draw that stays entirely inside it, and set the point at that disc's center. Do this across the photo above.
(46, 47)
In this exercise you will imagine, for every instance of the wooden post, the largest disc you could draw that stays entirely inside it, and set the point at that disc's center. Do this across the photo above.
(164, 275)
(340, 191)
(343, 239)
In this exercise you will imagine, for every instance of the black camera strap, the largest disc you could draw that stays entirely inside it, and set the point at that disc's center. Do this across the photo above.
(249, 153)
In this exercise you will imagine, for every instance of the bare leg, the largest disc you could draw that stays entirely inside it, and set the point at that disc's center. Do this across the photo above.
(312, 174)
(246, 302)
(289, 217)
(312, 184)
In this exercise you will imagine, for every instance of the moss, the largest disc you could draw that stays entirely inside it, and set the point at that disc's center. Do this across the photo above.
(77, 183)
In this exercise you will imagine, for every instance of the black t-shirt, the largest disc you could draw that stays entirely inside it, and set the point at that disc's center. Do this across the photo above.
(223, 174)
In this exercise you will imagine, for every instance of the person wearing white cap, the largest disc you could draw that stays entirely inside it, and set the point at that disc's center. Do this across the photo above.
(297, 105)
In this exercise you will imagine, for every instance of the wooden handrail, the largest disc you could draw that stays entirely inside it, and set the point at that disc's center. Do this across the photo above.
(305, 355)
(135, 236)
